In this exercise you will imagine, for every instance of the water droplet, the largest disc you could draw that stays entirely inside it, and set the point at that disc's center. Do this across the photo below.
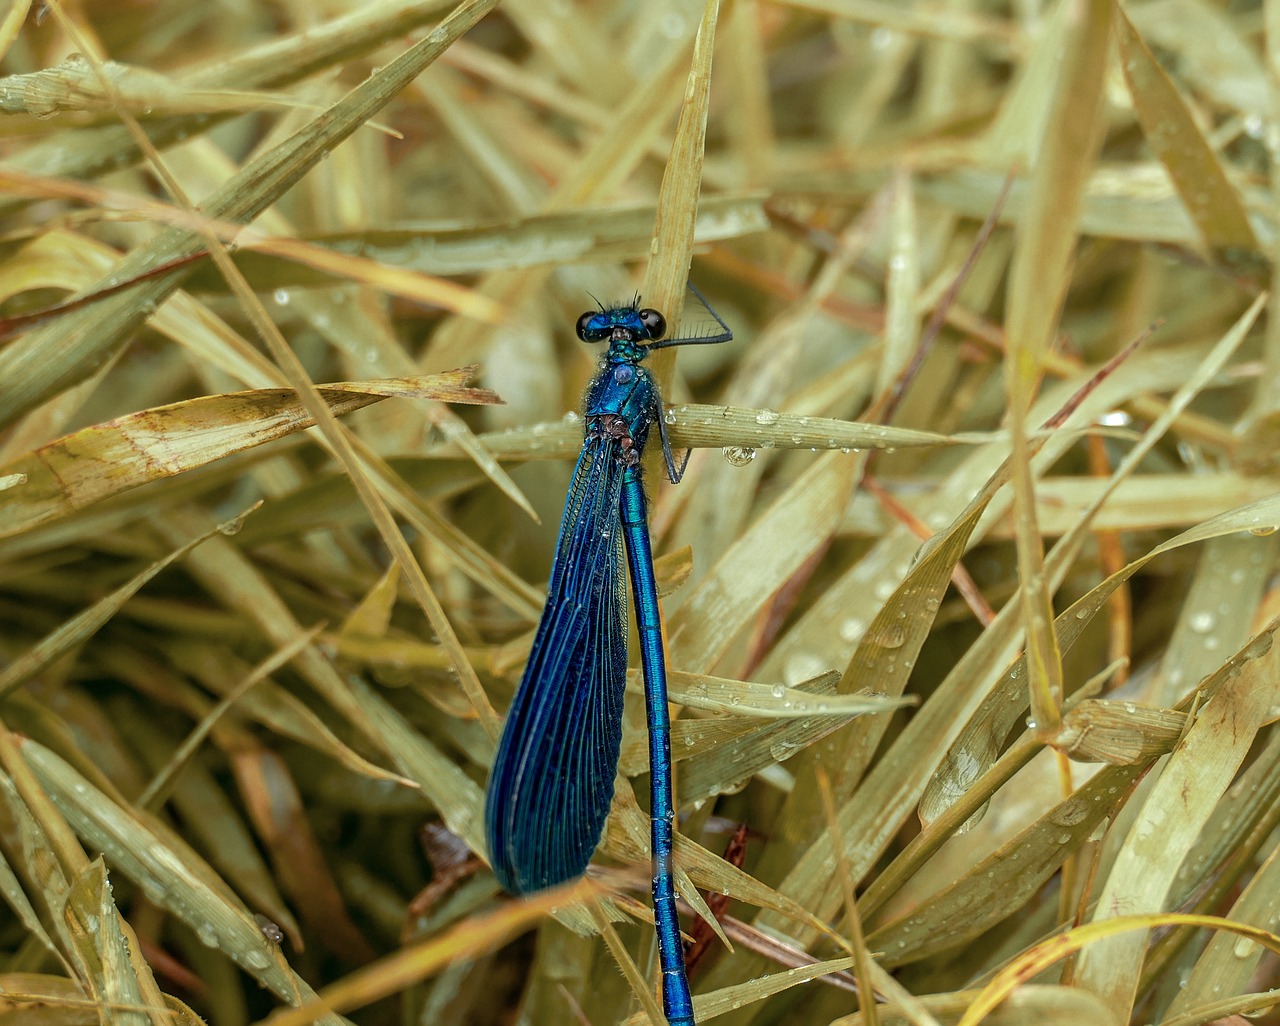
(767, 417)
(1202, 622)
(282, 297)
(891, 636)
(1244, 948)
(737, 455)
(852, 630)
(256, 959)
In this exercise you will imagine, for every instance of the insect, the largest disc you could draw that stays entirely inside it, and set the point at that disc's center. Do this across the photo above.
(552, 777)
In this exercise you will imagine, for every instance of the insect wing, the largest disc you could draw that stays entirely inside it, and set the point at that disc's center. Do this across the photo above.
(552, 778)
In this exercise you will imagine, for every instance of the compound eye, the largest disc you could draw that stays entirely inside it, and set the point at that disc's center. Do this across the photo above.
(584, 328)
(655, 324)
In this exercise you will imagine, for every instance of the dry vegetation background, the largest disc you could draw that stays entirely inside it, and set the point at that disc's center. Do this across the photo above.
(257, 668)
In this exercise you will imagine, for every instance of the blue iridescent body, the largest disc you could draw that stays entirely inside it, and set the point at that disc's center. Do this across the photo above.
(552, 778)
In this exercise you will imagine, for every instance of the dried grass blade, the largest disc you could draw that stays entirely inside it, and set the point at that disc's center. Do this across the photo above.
(1203, 186)
(626, 838)
(1046, 954)
(1001, 883)
(444, 783)
(626, 964)
(771, 701)
(1037, 284)
(673, 229)
(697, 426)
(884, 658)
(86, 623)
(729, 999)
(12, 23)
(16, 898)
(1227, 964)
(175, 878)
(160, 784)
(977, 745)
(753, 569)
(330, 264)
(39, 365)
(615, 232)
(98, 462)
(600, 172)
(275, 63)
(467, 940)
(827, 629)
(1190, 786)
(97, 933)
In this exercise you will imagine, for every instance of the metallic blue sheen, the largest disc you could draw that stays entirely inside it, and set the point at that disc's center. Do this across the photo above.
(552, 778)
(676, 1001)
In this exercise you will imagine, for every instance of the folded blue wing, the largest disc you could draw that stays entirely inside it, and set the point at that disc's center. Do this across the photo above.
(552, 778)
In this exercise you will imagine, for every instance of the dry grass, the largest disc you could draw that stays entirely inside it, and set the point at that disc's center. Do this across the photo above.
(258, 634)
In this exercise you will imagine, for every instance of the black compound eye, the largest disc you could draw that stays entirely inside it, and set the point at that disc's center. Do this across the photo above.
(655, 324)
(584, 326)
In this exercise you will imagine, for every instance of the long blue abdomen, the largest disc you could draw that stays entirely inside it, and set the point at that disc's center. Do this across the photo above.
(676, 1000)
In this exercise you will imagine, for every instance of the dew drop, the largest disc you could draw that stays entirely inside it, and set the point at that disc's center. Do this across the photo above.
(256, 959)
(1202, 622)
(891, 636)
(852, 630)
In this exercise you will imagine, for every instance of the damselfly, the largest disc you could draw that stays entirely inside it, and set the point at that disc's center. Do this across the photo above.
(552, 778)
